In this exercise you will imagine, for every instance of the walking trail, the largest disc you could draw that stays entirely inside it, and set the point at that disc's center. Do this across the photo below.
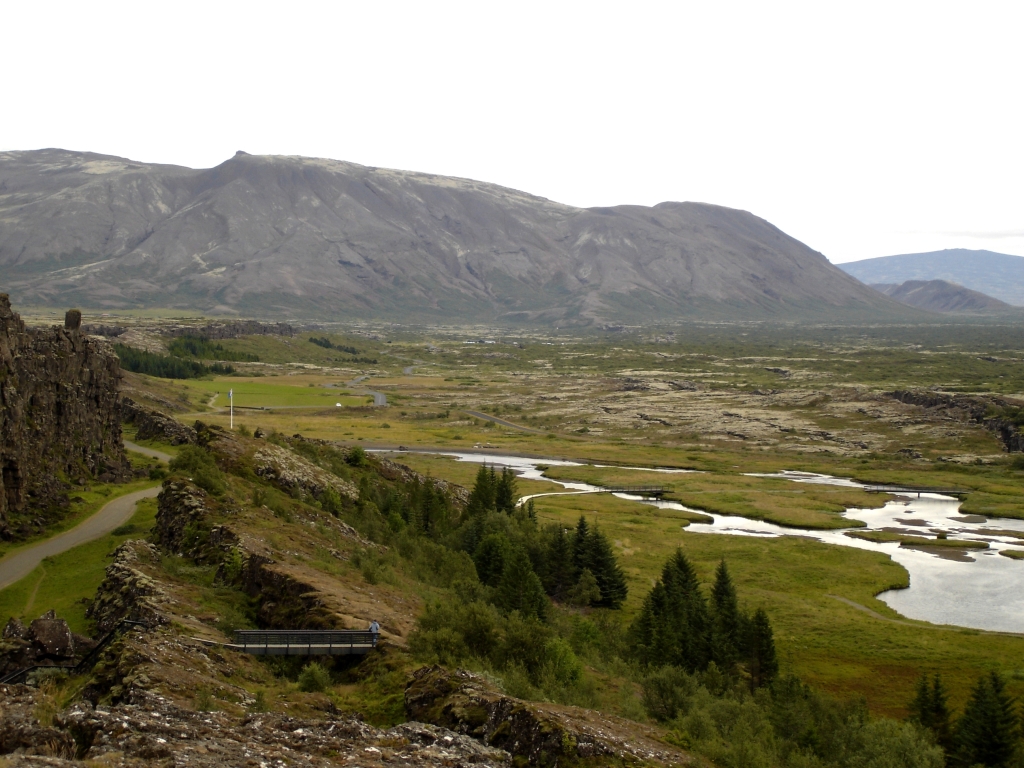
(21, 563)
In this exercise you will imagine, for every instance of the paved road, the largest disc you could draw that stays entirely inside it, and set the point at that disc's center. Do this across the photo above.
(20, 564)
(154, 454)
(503, 423)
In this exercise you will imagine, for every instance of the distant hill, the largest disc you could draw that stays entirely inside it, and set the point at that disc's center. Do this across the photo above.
(942, 296)
(305, 237)
(999, 275)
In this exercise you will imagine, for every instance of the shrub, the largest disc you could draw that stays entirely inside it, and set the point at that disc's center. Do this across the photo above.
(314, 678)
(198, 464)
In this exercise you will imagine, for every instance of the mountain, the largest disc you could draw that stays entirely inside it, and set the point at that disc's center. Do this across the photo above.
(304, 237)
(942, 296)
(999, 275)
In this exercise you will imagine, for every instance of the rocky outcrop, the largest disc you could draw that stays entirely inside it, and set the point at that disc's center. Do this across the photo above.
(970, 408)
(293, 473)
(540, 735)
(147, 729)
(128, 592)
(46, 640)
(60, 419)
(154, 425)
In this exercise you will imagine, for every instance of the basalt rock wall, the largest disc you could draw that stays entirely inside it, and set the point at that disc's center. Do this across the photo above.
(968, 408)
(60, 420)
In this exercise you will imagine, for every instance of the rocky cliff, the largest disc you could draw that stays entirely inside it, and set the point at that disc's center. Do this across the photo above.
(60, 419)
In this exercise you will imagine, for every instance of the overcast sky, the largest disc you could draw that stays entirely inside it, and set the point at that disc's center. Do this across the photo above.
(863, 129)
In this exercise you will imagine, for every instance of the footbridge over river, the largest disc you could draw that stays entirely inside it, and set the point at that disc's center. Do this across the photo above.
(647, 491)
(958, 493)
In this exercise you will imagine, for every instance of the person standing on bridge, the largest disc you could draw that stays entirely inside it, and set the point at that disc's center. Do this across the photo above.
(375, 629)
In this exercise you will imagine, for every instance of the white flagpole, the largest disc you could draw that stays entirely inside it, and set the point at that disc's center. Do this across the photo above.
(231, 406)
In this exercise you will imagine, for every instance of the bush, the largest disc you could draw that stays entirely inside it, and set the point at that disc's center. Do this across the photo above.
(314, 678)
(356, 456)
(198, 464)
(561, 665)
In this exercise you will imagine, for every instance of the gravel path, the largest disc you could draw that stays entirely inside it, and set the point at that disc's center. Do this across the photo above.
(503, 423)
(21, 563)
(154, 454)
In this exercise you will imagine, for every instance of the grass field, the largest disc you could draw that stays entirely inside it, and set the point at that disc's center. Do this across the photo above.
(259, 392)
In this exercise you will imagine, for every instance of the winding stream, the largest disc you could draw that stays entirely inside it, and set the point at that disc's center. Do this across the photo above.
(980, 589)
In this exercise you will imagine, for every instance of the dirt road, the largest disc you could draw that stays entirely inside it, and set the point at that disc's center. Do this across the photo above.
(19, 564)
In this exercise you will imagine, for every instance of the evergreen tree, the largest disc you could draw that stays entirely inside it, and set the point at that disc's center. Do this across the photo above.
(506, 491)
(558, 569)
(481, 498)
(490, 558)
(580, 546)
(672, 626)
(764, 664)
(687, 614)
(519, 588)
(987, 732)
(725, 626)
(930, 710)
(599, 558)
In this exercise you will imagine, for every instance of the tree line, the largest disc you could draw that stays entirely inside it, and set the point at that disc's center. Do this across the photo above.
(165, 367)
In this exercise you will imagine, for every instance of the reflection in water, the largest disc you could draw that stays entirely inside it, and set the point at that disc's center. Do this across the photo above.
(979, 589)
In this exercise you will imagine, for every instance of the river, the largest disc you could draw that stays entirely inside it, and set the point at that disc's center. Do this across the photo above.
(980, 589)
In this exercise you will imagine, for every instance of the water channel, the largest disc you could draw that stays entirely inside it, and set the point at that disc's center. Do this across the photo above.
(974, 588)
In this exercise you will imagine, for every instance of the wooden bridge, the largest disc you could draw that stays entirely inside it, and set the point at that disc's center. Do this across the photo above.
(648, 491)
(304, 642)
(906, 489)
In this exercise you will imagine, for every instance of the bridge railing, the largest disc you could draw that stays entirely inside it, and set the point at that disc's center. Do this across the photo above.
(305, 642)
(639, 490)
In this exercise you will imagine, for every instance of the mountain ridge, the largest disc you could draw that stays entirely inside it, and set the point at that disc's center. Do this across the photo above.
(999, 275)
(275, 235)
(943, 296)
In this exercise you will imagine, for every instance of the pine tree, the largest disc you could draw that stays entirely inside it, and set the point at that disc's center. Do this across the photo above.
(725, 627)
(558, 569)
(505, 491)
(599, 559)
(672, 626)
(580, 547)
(481, 498)
(687, 614)
(987, 732)
(764, 664)
(519, 588)
(930, 710)
(490, 558)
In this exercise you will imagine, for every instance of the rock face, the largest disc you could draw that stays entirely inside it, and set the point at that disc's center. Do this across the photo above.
(153, 424)
(46, 640)
(60, 416)
(329, 239)
(534, 734)
(967, 408)
(942, 296)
